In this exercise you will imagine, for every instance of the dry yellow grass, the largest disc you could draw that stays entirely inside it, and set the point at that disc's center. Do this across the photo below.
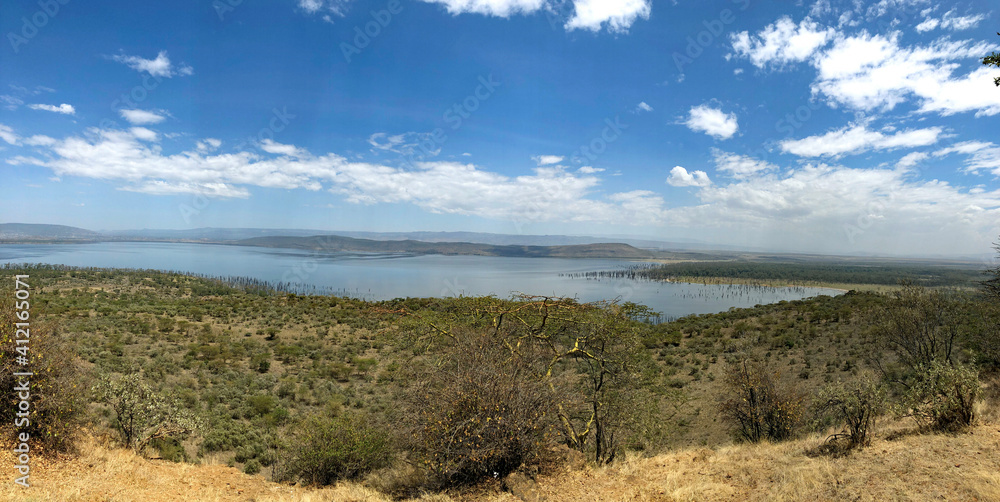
(964, 466)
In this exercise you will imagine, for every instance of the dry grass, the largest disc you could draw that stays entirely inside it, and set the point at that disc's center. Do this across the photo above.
(964, 466)
(98, 473)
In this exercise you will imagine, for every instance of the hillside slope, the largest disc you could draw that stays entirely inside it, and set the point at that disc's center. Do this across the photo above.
(33, 232)
(963, 466)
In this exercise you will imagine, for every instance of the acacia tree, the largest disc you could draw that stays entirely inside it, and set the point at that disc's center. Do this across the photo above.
(588, 355)
(142, 414)
(993, 60)
(919, 327)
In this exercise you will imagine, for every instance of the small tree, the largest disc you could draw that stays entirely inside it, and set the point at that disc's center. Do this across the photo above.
(756, 406)
(141, 414)
(943, 396)
(856, 404)
(919, 327)
(54, 388)
(589, 357)
(993, 60)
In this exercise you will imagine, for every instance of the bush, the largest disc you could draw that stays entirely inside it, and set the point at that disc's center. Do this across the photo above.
(755, 405)
(54, 388)
(856, 404)
(483, 414)
(251, 467)
(942, 396)
(327, 450)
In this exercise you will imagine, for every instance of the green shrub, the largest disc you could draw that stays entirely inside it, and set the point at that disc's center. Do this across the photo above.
(856, 404)
(942, 396)
(170, 449)
(326, 450)
(251, 467)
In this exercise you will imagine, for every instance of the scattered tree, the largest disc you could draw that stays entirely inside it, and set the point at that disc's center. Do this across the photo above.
(917, 326)
(993, 60)
(55, 387)
(856, 404)
(141, 414)
(756, 406)
(943, 396)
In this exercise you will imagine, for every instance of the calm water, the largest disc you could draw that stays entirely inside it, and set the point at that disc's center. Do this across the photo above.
(381, 276)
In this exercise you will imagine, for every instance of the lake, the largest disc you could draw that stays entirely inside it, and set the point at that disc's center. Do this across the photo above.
(387, 276)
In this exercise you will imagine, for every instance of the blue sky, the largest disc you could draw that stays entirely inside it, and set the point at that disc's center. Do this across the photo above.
(829, 126)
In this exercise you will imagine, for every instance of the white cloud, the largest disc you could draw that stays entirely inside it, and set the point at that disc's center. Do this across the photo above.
(981, 155)
(214, 190)
(950, 21)
(643, 107)
(712, 121)
(270, 146)
(64, 108)
(421, 144)
(884, 7)
(11, 102)
(544, 160)
(144, 134)
(782, 42)
(499, 8)
(739, 166)
(911, 159)
(7, 134)
(927, 25)
(549, 193)
(680, 177)
(39, 140)
(141, 117)
(337, 7)
(311, 6)
(836, 209)
(208, 145)
(858, 139)
(617, 15)
(874, 72)
(590, 170)
(159, 67)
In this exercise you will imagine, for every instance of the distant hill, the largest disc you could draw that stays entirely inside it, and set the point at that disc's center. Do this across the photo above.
(216, 234)
(32, 232)
(333, 243)
(212, 234)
